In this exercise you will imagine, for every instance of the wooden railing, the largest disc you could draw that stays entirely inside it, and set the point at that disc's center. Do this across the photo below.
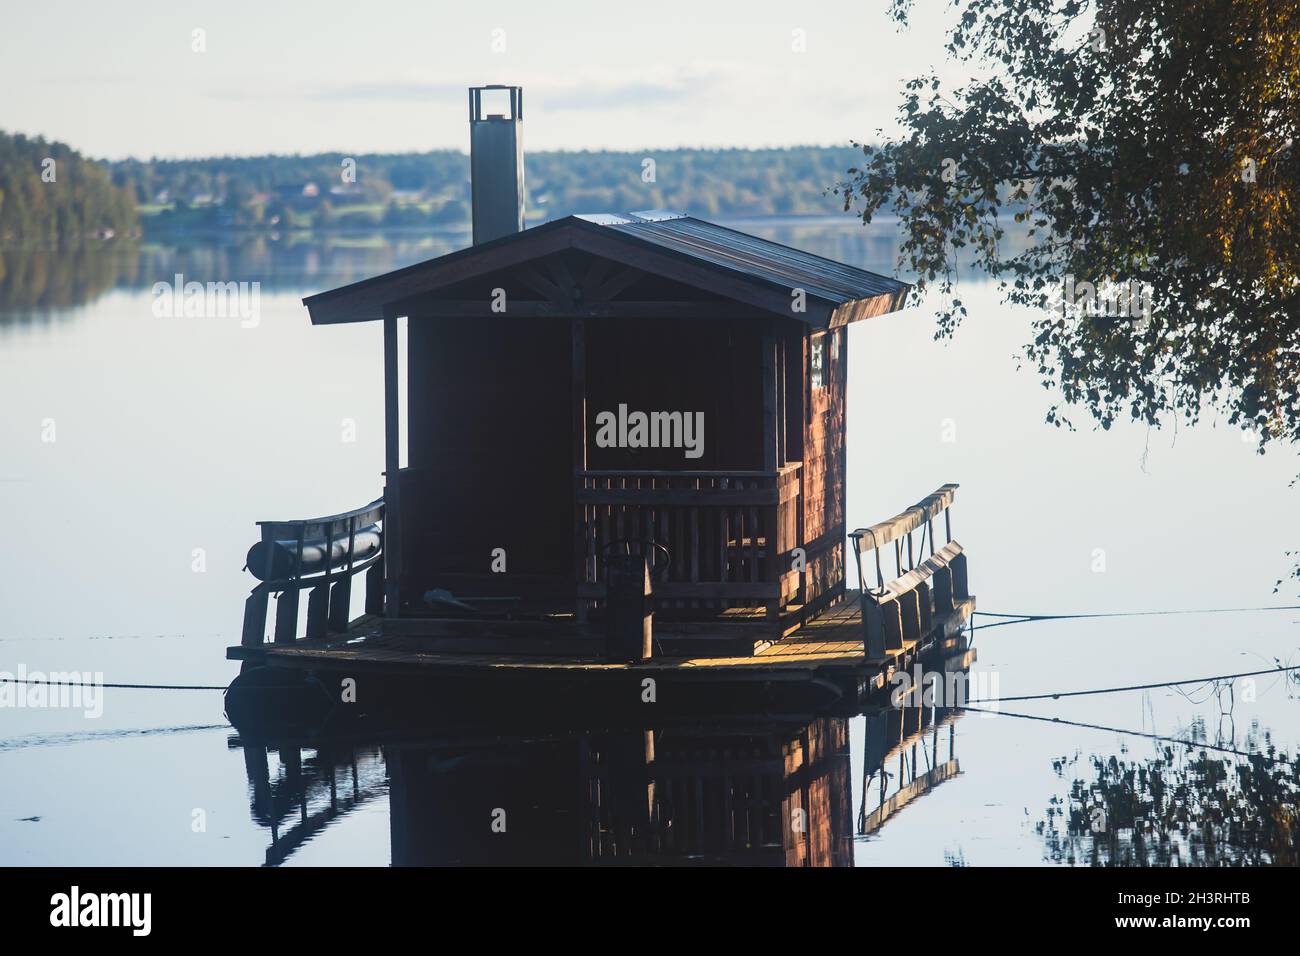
(729, 534)
(904, 607)
(320, 555)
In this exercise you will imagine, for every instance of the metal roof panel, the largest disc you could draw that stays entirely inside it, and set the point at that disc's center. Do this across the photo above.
(843, 293)
(761, 258)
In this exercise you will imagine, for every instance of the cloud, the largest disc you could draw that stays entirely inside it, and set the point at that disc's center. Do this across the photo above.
(591, 90)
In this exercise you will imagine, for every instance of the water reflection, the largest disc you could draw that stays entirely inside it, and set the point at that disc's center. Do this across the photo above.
(308, 794)
(1192, 804)
(35, 283)
(41, 280)
(748, 792)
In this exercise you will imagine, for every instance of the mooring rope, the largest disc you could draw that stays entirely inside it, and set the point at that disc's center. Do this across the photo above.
(71, 683)
(1116, 690)
(30, 741)
(1011, 619)
(1118, 730)
(1027, 618)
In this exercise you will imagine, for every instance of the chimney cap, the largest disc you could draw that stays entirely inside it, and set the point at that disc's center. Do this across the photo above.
(515, 93)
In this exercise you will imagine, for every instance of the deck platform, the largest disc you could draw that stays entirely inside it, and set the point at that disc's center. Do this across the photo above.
(827, 650)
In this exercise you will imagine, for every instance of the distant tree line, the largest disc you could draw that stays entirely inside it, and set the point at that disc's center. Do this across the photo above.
(49, 193)
(339, 191)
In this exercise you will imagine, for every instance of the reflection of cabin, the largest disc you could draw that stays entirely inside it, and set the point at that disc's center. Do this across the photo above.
(608, 378)
(901, 733)
(306, 796)
(775, 797)
(754, 793)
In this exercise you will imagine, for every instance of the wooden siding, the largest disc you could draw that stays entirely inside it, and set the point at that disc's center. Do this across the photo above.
(497, 418)
(678, 365)
(490, 449)
(824, 468)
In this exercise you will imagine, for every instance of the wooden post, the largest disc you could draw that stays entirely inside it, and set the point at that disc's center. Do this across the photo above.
(782, 404)
(909, 606)
(629, 618)
(375, 587)
(255, 607)
(770, 445)
(286, 612)
(340, 604)
(329, 562)
(874, 630)
(960, 587)
(772, 459)
(286, 615)
(254, 632)
(578, 334)
(892, 619)
(805, 427)
(318, 612)
(943, 596)
(341, 593)
(392, 477)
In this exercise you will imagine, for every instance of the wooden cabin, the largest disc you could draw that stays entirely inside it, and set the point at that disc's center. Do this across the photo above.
(624, 439)
(602, 382)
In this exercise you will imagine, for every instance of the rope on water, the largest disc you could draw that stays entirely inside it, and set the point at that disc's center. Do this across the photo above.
(1011, 619)
(1027, 618)
(70, 683)
(1118, 730)
(1115, 690)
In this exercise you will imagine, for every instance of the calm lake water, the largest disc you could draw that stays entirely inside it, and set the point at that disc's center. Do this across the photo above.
(138, 451)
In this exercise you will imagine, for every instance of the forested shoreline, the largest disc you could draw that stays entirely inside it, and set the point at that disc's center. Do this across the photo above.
(50, 193)
(76, 198)
(336, 191)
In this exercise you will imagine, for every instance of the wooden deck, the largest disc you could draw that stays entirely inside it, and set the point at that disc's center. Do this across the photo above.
(828, 647)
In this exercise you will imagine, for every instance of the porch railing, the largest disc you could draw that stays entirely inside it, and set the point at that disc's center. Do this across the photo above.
(903, 607)
(729, 533)
(320, 556)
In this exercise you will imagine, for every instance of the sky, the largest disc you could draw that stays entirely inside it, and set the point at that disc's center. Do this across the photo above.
(124, 78)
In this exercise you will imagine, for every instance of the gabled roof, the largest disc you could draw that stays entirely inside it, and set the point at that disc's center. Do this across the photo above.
(749, 270)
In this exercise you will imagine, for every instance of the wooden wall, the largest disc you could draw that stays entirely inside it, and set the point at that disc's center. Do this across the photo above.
(709, 366)
(490, 448)
(491, 431)
(824, 468)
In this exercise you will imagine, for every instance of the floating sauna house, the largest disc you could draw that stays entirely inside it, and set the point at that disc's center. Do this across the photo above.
(625, 441)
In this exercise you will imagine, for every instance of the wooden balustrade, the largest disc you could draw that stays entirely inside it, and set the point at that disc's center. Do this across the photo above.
(337, 558)
(904, 607)
(729, 534)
